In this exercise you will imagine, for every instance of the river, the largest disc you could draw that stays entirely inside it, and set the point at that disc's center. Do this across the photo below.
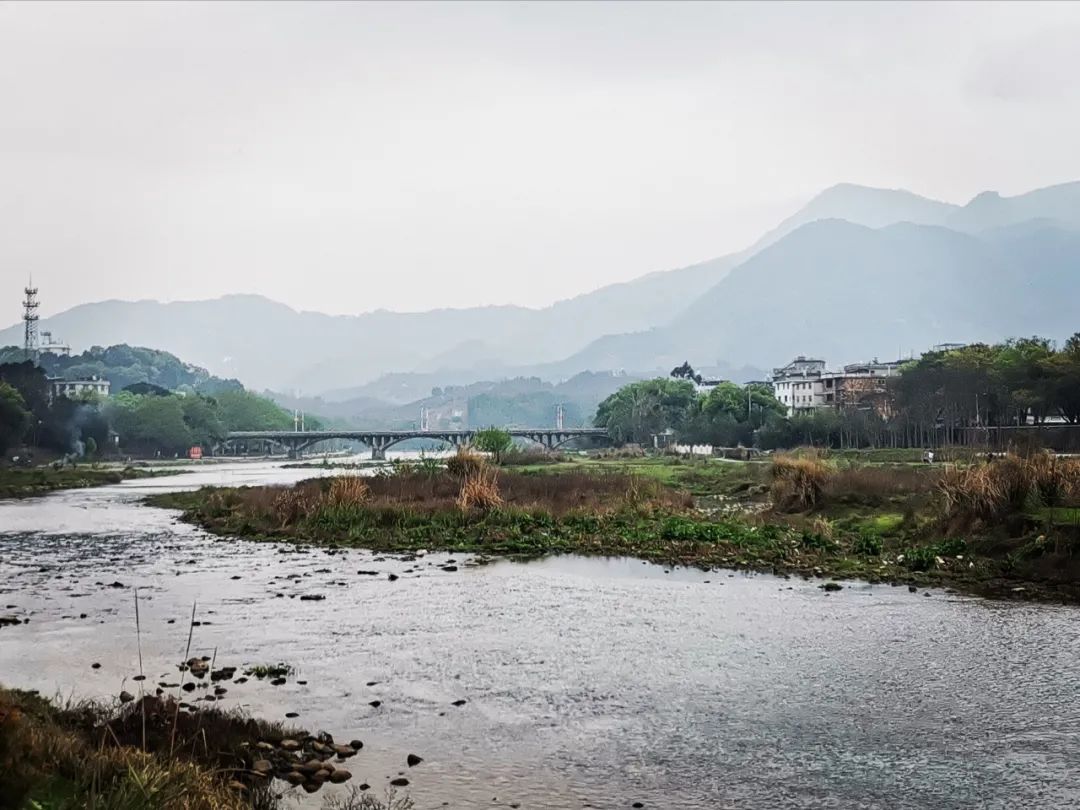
(588, 682)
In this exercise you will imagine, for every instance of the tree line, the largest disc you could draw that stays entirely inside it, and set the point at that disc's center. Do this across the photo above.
(935, 399)
(143, 419)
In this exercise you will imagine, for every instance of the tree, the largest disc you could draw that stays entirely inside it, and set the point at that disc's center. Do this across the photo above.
(243, 410)
(203, 419)
(493, 440)
(686, 372)
(14, 417)
(640, 410)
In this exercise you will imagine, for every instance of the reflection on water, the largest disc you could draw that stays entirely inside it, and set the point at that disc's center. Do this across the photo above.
(588, 682)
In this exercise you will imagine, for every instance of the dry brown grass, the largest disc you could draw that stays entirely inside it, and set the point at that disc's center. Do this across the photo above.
(798, 482)
(874, 484)
(480, 491)
(465, 462)
(413, 491)
(348, 490)
(39, 742)
(1009, 485)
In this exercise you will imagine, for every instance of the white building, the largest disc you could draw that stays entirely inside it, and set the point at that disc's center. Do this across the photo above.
(72, 389)
(805, 384)
(798, 385)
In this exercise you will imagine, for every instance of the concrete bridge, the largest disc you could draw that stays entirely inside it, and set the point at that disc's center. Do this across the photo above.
(296, 441)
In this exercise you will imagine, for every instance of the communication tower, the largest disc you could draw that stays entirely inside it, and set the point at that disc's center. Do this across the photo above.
(30, 321)
(559, 416)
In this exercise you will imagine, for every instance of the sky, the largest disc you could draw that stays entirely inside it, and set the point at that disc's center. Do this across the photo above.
(407, 156)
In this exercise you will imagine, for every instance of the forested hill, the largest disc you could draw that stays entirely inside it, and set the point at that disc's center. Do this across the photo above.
(125, 365)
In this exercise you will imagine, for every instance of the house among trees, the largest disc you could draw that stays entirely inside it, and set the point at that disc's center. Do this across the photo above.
(805, 384)
(74, 389)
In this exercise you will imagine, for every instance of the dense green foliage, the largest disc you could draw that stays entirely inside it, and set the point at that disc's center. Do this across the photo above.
(145, 419)
(726, 415)
(14, 416)
(124, 365)
(493, 440)
(998, 384)
(637, 412)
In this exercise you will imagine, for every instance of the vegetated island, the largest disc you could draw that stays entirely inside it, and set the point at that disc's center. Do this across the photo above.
(26, 482)
(1003, 527)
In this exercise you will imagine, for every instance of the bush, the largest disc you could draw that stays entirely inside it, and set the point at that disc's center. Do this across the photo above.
(465, 463)
(480, 490)
(868, 543)
(797, 483)
(1007, 486)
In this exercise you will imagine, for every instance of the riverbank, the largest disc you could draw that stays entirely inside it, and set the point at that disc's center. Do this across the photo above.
(157, 753)
(23, 482)
(879, 523)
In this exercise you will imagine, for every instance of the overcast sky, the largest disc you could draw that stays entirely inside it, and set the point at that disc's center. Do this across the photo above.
(405, 156)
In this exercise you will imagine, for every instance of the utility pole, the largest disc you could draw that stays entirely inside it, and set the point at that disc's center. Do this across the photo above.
(30, 321)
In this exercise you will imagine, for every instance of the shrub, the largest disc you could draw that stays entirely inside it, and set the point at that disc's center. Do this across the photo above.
(868, 543)
(480, 490)
(348, 490)
(1007, 486)
(465, 463)
(797, 483)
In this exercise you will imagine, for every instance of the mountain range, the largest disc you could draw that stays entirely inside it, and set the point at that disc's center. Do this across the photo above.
(857, 272)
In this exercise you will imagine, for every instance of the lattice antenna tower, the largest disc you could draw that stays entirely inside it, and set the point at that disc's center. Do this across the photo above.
(30, 320)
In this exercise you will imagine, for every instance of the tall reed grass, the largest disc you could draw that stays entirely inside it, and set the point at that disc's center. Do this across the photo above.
(1010, 485)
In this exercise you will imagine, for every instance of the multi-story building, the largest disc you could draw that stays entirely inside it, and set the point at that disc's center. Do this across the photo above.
(798, 384)
(76, 388)
(805, 384)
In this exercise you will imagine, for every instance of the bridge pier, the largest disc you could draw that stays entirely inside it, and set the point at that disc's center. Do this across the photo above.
(378, 448)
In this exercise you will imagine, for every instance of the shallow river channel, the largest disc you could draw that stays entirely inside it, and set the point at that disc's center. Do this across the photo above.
(588, 682)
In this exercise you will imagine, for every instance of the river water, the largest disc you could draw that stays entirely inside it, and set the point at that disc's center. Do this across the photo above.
(589, 682)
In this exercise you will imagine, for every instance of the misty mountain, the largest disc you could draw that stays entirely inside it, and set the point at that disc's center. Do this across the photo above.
(848, 292)
(726, 312)
(270, 345)
(862, 205)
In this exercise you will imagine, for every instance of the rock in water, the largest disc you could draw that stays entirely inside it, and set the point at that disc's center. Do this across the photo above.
(340, 775)
(413, 760)
(401, 781)
(126, 697)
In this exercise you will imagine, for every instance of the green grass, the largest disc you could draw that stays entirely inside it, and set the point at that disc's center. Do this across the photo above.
(1056, 515)
(270, 670)
(700, 477)
(24, 483)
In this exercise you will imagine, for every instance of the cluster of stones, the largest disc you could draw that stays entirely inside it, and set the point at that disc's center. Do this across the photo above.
(309, 761)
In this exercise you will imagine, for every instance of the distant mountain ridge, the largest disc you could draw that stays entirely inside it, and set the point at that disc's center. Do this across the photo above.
(810, 282)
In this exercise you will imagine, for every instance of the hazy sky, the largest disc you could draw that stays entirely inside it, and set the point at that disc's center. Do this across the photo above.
(348, 157)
